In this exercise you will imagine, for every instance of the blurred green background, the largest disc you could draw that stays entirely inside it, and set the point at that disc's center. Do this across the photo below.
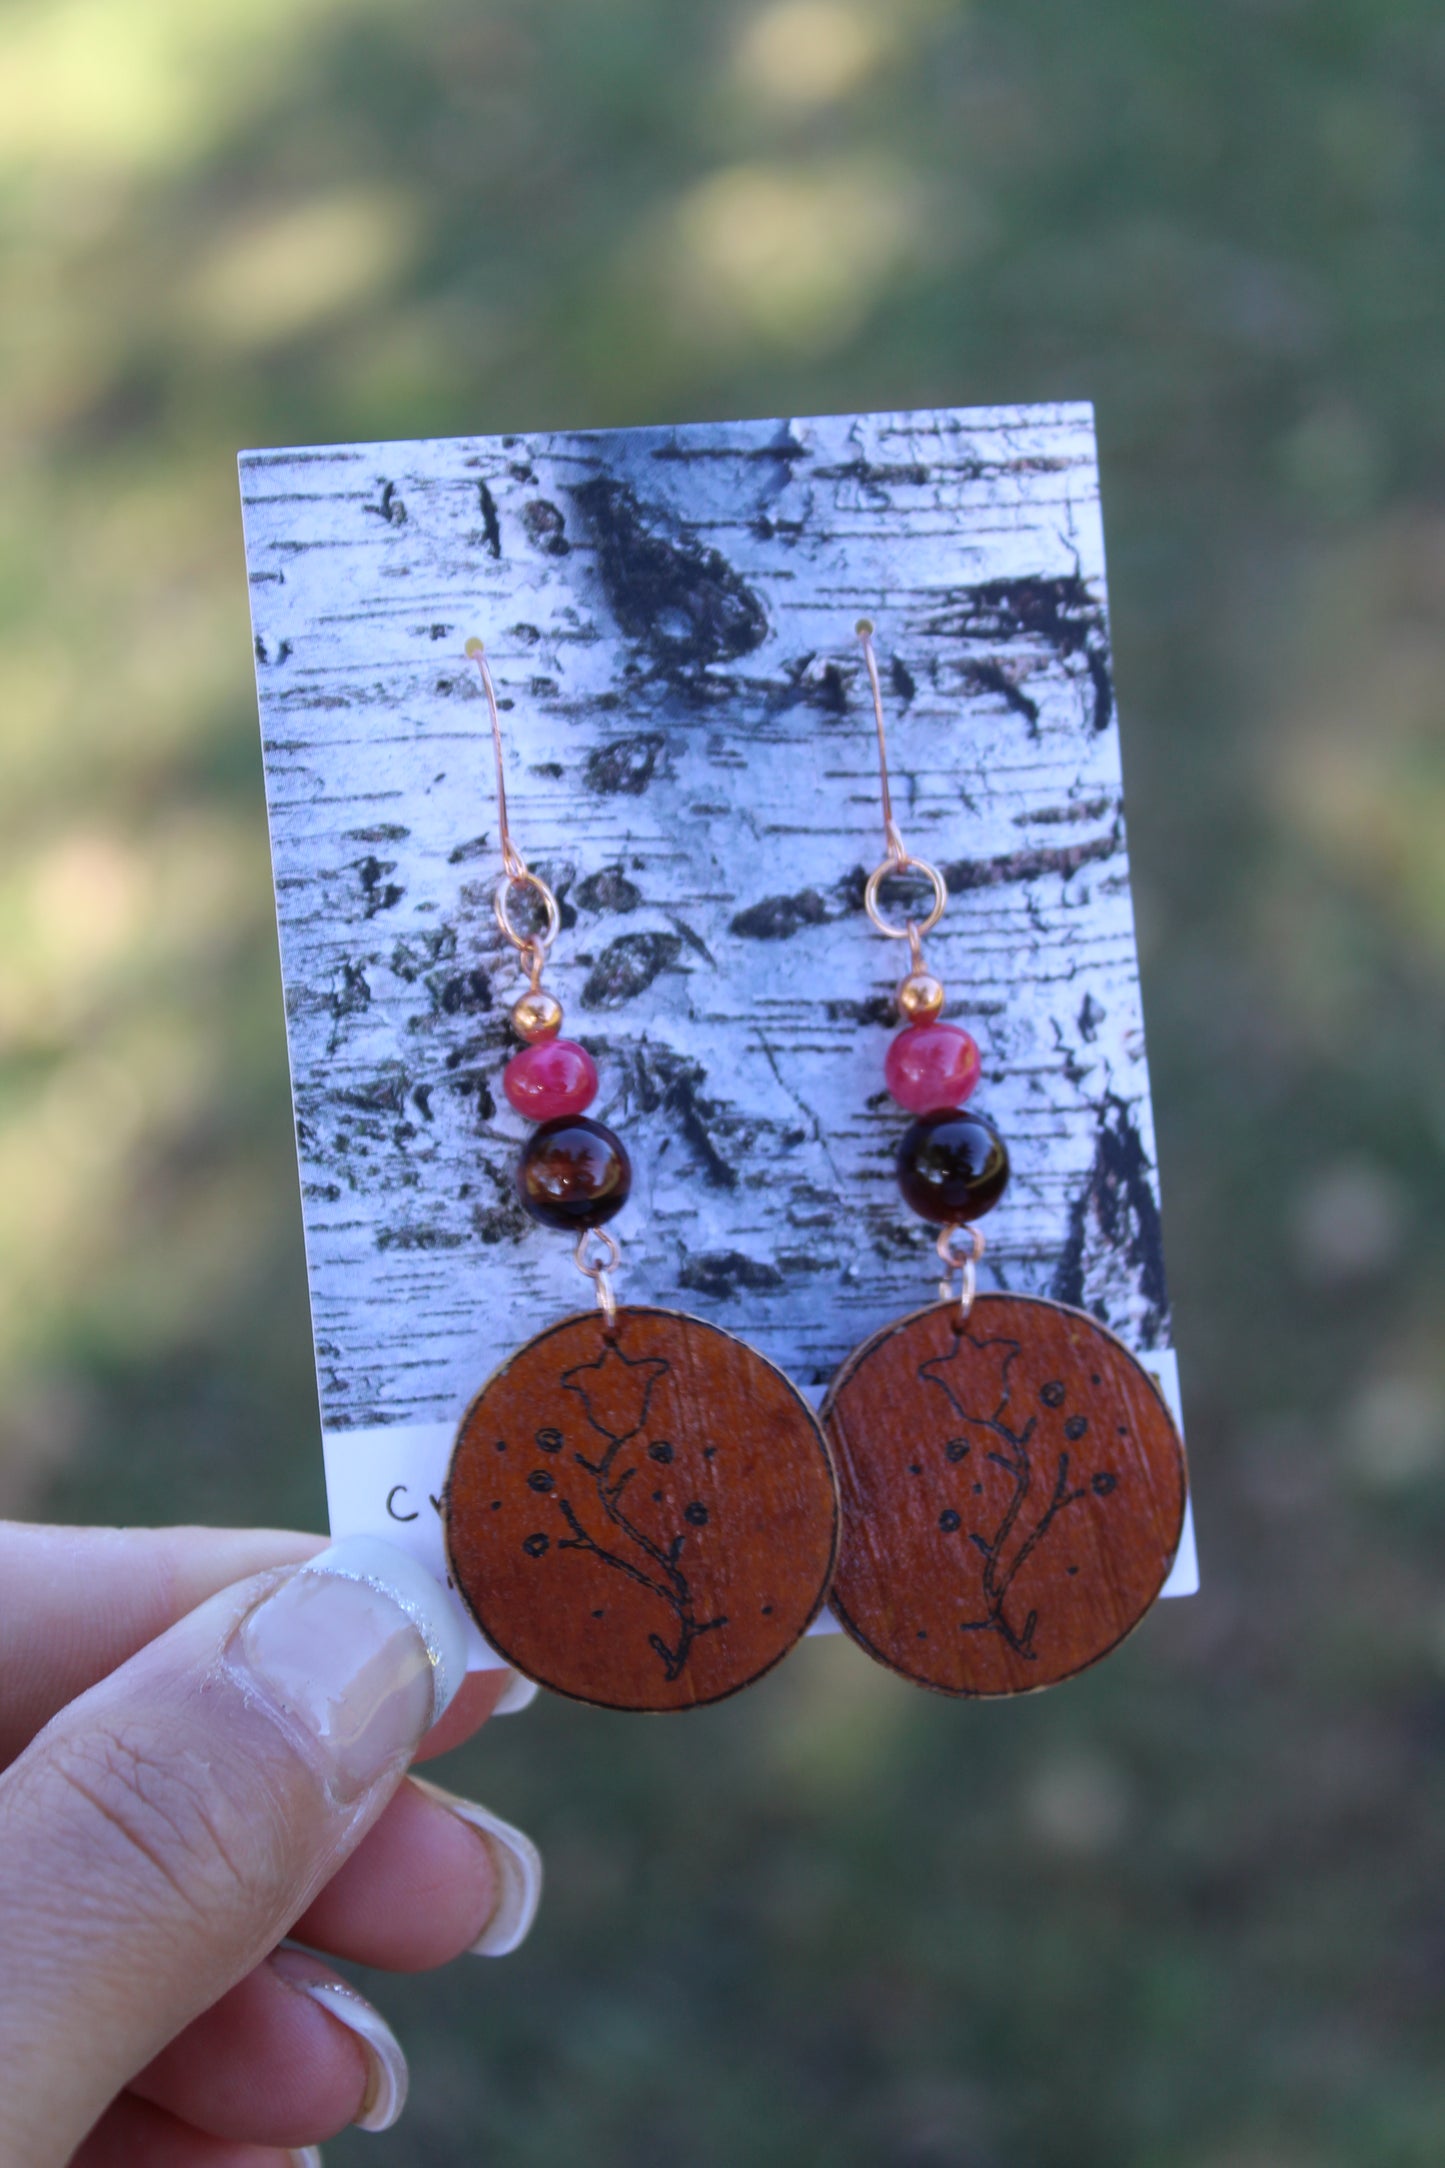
(1189, 1911)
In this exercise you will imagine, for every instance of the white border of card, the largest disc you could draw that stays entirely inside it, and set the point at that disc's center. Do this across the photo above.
(669, 617)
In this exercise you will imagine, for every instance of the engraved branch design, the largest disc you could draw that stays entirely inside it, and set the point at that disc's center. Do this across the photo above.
(976, 1375)
(616, 1392)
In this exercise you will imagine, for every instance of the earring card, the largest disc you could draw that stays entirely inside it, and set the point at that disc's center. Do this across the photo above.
(691, 764)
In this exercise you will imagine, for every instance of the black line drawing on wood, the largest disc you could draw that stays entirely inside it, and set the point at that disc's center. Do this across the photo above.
(981, 1381)
(616, 1390)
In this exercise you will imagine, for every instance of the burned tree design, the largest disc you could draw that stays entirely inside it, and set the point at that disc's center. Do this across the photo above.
(975, 1378)
(618, 1496)
(616, 1393)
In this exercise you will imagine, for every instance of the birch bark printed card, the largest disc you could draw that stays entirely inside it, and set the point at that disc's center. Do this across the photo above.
(691, 764)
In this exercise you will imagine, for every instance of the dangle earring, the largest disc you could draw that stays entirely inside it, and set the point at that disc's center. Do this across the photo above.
(1012, 1482)
(641, 1510)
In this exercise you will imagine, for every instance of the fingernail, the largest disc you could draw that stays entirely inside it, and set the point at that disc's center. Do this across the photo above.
(358, 1652)
(517, 1694)
(306, 2156)
(387, 2077)
(516, 1863)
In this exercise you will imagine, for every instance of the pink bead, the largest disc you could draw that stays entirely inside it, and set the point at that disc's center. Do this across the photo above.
(557, 1076)
(930, 1067)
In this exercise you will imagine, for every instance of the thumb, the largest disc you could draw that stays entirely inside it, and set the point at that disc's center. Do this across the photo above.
(163, 1832)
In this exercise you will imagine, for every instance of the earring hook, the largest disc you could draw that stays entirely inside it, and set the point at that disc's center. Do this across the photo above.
(899, 859)
(532, 948)
(512, 858)
(896, 851)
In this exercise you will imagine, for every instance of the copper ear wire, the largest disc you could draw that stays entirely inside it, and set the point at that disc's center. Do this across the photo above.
(920, 997)
(897, 855)
(532, 948)
(899, 858)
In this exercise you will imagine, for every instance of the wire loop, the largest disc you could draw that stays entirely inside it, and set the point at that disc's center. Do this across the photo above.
(531, 947)
(965, 1266)
(912, 929)
(600, 1269)
(899, 859)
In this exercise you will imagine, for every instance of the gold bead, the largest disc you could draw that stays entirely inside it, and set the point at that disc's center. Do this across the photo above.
(920, 997)
(538, 1015)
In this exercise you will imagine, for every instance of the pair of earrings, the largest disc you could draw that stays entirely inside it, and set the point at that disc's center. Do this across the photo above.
(644, 1513)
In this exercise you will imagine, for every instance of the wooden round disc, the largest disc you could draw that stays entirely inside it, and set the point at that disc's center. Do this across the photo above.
(1013, 1494)
(646, 1517)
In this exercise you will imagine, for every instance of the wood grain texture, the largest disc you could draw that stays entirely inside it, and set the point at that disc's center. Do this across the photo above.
(669, 615)
(645, 1518)
(1013, 1494)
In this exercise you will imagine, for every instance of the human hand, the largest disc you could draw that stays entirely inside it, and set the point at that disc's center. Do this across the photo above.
(204, 1737)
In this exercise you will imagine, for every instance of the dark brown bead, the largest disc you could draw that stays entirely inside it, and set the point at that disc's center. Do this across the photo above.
(952, 1166)
(573, 1173)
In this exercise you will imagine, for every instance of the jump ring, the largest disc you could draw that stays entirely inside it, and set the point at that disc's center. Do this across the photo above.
(600, 1270)
(525, 941)
(912, 928)
(966, 1267)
